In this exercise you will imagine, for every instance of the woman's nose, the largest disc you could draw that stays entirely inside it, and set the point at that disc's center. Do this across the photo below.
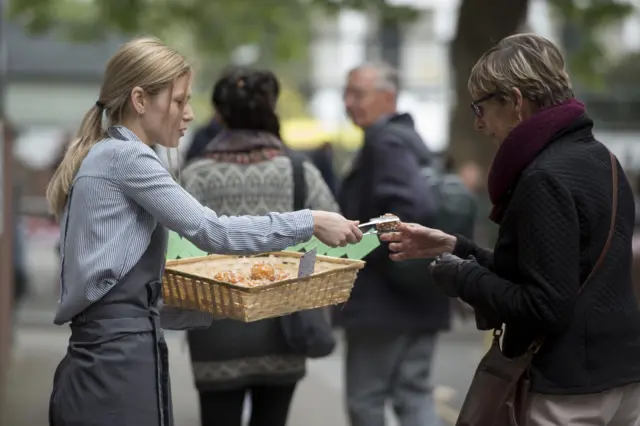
(188, 114)
(478, 123)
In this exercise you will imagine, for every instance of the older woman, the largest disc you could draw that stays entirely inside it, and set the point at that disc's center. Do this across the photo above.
(551, 188)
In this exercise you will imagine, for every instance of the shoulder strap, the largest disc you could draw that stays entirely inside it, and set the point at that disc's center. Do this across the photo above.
(537, 343)
(614, 213)
(299, 183)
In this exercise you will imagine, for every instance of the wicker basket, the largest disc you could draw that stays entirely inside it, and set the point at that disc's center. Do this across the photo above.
(186, 285)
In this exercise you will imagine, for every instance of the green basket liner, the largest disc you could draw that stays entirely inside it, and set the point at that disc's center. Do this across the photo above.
(181, 248)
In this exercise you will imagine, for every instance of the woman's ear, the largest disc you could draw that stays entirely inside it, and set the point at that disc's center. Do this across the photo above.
(137, 100)
(518, 101)
(517, 97)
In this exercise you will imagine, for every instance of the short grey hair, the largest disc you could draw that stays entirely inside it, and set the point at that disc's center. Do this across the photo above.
(529, 62)
(388, 78)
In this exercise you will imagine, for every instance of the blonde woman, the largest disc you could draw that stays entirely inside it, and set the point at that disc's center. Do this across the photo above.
(115, 202)
(551, 187)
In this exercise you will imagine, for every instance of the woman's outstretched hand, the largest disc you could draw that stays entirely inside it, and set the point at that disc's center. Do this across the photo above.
(413, 241)
(334, 230)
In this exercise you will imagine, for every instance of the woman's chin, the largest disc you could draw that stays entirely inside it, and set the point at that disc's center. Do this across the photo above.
(169, 144)
(497, 140)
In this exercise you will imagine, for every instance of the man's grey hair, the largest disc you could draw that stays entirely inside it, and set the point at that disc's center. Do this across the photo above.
(388, 78)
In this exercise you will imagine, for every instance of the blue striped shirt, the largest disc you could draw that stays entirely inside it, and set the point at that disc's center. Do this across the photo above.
(120, 194)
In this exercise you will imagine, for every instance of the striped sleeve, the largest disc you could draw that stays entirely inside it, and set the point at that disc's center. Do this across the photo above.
(141, 176)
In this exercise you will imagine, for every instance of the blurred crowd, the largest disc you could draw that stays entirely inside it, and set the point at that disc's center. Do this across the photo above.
(239, 155)
(239, 164)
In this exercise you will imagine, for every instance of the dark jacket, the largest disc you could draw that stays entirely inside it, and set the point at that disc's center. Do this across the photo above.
(322, 158)
(553, 231)
(385, 178)
(201, 139)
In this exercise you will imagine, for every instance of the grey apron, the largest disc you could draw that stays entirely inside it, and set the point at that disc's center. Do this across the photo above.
(116, 368)
(116, 371)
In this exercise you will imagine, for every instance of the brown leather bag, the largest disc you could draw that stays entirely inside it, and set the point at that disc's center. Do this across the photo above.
(500, 387)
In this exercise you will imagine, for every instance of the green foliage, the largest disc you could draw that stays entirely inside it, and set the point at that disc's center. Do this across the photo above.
(282, 28)
(215, 26)
(625, 73)
(381, 7)
(583, 22)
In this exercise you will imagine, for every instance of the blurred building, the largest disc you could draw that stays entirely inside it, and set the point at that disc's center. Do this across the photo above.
(51, 83)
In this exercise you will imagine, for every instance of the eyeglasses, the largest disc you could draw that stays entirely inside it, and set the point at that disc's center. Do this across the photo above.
(356, 93)
(477, 109)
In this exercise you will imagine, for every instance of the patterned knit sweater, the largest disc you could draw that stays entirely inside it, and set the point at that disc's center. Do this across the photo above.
(231, 354)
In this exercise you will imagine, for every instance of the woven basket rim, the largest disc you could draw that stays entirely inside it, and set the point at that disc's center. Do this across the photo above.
(349, 264)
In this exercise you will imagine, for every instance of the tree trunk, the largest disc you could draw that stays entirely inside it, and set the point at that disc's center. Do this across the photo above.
(479, 28)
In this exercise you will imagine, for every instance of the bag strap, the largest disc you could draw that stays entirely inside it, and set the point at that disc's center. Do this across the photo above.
(299, 183)
(535, 346)
(612, 226)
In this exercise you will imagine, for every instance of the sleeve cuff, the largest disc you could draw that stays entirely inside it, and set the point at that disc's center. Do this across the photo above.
(463, 247)
(303, 220)
(468, 279)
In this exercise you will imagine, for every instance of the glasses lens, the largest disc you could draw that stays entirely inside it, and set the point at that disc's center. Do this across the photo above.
(477, 109)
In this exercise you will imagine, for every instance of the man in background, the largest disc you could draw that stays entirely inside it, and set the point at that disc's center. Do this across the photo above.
(390, 335)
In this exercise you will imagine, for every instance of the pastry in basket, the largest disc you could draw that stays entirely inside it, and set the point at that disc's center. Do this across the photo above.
(232, 277)
(252, 283)
(281, 275)
(263, 271)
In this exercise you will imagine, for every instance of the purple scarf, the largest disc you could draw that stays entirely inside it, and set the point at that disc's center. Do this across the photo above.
(522, 146)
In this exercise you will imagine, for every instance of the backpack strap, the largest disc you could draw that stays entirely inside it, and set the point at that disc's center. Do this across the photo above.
(299, 183)
(535, 346)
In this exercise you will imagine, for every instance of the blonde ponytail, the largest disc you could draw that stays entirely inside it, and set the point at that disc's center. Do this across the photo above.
(90, 132)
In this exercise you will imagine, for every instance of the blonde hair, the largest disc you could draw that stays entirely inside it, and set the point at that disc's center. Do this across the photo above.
(528, 62)
(144, 62)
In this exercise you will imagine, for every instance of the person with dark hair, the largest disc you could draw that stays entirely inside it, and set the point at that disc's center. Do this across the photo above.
(246, 100)
(204, 134)
(247, 169)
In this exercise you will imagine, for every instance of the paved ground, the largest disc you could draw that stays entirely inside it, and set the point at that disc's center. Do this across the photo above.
(38, 349)
(39, 346)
